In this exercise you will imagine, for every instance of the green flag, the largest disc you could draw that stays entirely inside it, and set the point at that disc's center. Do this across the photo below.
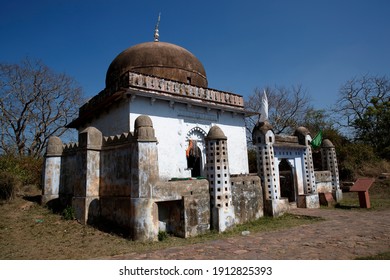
(317, 140)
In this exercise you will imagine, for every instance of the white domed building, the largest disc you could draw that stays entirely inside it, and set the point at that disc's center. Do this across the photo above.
(160, 151)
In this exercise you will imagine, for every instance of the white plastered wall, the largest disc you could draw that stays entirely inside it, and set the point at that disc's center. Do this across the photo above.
(173, 124)
(112, 121)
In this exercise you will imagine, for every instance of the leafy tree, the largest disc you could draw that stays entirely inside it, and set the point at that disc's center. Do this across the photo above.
(316, 120)
(373, 127)
(35, 103)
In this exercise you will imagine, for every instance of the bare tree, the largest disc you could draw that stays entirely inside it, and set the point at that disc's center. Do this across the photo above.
(35, 103)
(356, 96)
(287, 108)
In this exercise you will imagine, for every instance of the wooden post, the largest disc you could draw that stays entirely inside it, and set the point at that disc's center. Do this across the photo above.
(364, 200)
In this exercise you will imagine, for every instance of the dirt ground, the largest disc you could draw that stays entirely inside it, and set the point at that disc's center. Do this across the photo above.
(30, 231)
(343, 235)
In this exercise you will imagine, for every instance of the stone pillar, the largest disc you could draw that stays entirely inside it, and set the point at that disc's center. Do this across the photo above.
(222, 209)
(310, 199)
(144, 219)
(264, 138)
(86, 192)
(52, 170)
(329, 162)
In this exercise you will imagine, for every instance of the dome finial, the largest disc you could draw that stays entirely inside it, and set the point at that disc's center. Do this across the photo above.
(156, 35)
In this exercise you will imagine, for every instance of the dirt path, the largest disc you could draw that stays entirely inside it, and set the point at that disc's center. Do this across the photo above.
(345, 234)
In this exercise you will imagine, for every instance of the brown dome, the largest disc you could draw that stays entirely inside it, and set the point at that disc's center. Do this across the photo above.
(143, 121)
(301, 132)
(263, 127)
(327, 144)
(216, 133)
(158, 59)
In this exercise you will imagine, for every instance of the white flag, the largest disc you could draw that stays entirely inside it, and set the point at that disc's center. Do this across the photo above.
(264, 108)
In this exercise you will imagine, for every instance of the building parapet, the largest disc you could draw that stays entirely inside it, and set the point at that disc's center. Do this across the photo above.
(140, 81)
(323, 176)
(70, 147)
(108, 141)
(286, 139)
(118, 139)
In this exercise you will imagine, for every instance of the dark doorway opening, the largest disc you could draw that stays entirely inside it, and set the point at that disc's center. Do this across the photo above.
(194, 159)
(317, 160)
(287, 181)
(170, 217)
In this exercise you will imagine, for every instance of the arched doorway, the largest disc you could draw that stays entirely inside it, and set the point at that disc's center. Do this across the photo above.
(195, 151)
(287, 180)
(194, 158)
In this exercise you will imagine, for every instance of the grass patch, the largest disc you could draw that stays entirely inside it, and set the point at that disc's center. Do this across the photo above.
(382, 256)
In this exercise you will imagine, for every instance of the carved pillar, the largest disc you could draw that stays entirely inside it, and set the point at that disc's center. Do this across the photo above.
(310, 198)
(52, 170)
(86, 191)
(222, 209)
(329, 162)
(268, 170)
(144, 213)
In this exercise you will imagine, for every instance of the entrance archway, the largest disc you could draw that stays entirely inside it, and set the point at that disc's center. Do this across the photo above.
(287, 180)
(194, 158)
(195, 151)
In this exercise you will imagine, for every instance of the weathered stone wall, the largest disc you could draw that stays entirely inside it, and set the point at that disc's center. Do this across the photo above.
(193, 197)
(115, 181)
(116, 211)
(117, 169)
(247, 196)
(323, 181)
(71, 173)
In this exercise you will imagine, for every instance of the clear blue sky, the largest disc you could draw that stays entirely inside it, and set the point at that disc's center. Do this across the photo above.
(242, 44)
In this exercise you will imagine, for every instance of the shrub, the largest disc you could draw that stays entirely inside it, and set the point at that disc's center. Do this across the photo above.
(69, 213)
(9, 185)
(162, 235)
(26, 169)
(353, 157)
(374, 169)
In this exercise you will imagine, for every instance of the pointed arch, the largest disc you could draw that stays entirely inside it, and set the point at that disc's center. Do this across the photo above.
(195, 151)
